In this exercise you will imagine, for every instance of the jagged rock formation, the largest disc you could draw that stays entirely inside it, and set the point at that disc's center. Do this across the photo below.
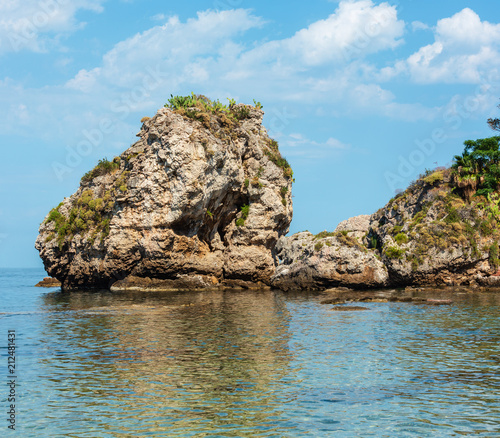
(430, 235)
(427, 235)
(199, 201)
(327, 260)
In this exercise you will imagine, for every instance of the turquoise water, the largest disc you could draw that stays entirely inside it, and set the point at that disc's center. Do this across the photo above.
(246, 364)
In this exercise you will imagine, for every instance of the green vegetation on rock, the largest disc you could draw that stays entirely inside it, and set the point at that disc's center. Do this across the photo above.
(222, 120)
(274, 155)
(103, 167)
(477, 170)
(89, 215)
(394, 252)
(201, 108)
(245, 210)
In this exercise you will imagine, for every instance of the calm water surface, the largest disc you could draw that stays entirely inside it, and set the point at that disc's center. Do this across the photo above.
(247, 364)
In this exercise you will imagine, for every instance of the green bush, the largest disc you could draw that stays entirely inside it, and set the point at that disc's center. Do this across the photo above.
(401, 238)
(477, 170)
(434, 177)
(103, 167)
(318, 246)
(394, 253)
(373, 241)
(323, 234)
(493, 256)
(245, 210)
(199, 107)
(452, 216)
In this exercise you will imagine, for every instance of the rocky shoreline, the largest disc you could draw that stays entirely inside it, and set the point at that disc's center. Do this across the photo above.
(203, 200)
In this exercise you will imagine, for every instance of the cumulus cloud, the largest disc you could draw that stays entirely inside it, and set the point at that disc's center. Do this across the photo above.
(323, 65)
(464, 48)
(418, 25)
(172, 49)
(34, 24)
(353, 31)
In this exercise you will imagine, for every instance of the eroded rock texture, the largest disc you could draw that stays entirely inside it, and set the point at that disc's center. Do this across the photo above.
(196, 203)
(328, 260)
(427, 235)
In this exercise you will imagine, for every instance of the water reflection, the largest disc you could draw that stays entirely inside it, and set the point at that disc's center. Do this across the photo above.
(256, 364)
(177, 362)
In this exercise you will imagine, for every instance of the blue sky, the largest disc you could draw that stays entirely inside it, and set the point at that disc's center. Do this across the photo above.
(362, 96)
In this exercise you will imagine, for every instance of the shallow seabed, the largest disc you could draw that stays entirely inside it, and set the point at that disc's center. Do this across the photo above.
(247, 364)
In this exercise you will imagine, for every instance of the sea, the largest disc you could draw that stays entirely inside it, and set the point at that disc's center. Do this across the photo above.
(243, 364)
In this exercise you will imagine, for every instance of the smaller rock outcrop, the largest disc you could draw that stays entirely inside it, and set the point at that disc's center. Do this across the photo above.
(325, 260)
(431, 234)
(49, 282)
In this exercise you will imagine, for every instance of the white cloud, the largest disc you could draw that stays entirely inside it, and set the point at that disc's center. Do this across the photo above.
(159, 17)
(464, 49)
(84, 80)
(205, 54)
(466, 30)
(168, 48)
(353, 31)
(297, 145)
(35, 24)
(418, 25)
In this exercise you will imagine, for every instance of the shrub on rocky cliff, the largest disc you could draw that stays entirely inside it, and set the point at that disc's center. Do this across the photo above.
(103, 167)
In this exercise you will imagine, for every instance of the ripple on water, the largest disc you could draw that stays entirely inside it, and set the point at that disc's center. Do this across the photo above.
(254, 364)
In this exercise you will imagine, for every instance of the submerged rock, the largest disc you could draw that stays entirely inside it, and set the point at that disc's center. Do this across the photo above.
(200, 199)
(348, 308)
(48, 282)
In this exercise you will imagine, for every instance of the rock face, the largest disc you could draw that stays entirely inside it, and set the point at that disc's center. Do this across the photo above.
(200, 200)
(356, 226)
(427, 235)
(328, 260)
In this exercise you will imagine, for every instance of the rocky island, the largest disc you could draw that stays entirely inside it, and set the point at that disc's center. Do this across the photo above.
(203, 200)
(443, 230)
(199, 201)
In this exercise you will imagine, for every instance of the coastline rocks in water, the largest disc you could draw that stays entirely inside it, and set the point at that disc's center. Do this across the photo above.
(131, 283)
(200, 199)
(327, 260)
(48, 282)
(428, 235)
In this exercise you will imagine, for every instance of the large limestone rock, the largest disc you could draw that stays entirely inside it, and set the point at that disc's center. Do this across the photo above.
(198, 202)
